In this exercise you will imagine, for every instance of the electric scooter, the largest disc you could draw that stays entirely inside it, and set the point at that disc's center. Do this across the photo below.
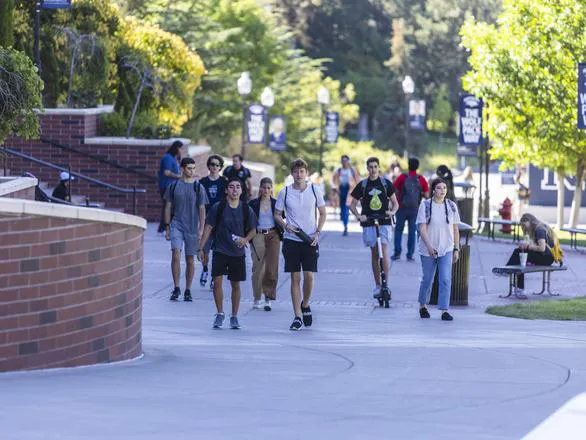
(385, 293)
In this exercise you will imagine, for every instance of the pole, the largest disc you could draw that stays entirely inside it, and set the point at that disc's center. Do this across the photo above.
(134, 200)
(69, 186)
(486, 190)
(480, 170)
(321, 138)
(406, 149)
(37, 46)
(243, 142)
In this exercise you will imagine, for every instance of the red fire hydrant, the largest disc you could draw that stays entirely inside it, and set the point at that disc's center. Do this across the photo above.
(506, 214)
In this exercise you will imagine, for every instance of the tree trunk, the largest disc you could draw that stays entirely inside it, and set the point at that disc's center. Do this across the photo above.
(577, 201)
(561, 199)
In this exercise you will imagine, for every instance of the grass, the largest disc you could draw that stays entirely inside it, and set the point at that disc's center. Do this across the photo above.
(562, 235)
(558, 310)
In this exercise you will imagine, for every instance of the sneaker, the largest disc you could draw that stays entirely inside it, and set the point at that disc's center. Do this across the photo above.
(175, 294)
(187, 295)
(296, 324)
(203, 279)
(219, 320)
(257, 304)
(212, 285)
(345, 233)
(234, 323)
(307, 317)
(376, 292)
(520, 293)
(267, 305)
(447, 317)
(410, 258)
(395, 257)
(423, 313)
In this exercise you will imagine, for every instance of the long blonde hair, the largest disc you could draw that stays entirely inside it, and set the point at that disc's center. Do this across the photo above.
(534, 223)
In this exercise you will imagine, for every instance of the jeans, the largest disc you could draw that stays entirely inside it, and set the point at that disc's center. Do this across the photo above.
(344, 210)
(428, 267)
(405, 215)
(537, 258)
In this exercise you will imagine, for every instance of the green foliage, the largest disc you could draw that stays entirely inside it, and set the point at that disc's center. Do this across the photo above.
(559, 310)
(6, 23)
(20, 95)
(441, 113)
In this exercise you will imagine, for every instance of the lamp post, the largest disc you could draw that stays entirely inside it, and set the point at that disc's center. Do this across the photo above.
(323, 98)
(244, 84)
(267, 99)
(408, 88)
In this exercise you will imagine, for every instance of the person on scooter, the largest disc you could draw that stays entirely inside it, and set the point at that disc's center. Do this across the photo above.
(376, 195)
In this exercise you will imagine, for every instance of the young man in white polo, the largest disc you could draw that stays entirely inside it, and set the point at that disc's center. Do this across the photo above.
(376, 195)
(305, 209)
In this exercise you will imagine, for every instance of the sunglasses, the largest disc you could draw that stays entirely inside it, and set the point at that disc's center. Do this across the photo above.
(214, 164)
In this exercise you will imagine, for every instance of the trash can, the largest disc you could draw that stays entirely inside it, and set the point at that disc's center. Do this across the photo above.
(460, 272)
(466, 202)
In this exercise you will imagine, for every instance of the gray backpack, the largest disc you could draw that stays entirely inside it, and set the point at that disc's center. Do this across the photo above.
(412, 194)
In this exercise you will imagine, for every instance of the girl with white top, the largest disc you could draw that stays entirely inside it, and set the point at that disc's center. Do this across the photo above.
(438, 221)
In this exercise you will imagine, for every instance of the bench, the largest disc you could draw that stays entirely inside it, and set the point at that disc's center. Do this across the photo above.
(573, 236)
(512, 271)
(491, 226)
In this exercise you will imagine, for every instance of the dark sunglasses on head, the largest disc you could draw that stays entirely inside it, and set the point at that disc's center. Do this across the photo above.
(214, 164)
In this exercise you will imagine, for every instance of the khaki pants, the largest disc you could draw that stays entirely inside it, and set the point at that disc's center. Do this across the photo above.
(265, 264)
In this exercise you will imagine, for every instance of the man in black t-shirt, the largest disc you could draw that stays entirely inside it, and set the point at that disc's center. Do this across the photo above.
(242, 173)
(377, 196)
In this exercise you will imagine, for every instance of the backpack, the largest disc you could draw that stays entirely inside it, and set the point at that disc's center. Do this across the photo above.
(411, 195)
(220, 215)
(556, 250)
(172, 189)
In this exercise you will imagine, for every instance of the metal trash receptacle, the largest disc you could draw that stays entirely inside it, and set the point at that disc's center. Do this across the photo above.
(460, 272)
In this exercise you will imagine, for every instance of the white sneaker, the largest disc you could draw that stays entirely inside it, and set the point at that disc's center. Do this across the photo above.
(258, 304)
(520, 293)
(267, 305)
(376, 291)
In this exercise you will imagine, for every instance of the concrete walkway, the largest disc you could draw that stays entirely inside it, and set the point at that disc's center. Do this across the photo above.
(360, 372)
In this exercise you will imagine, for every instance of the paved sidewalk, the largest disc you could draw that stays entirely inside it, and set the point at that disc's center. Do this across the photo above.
(360, 372)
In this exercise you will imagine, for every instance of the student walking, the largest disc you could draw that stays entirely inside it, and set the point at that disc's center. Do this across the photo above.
(168, 173)
(411, 188)
(185, 201)
(215, 187)
(345, 178)
(439, 247)
(233, 224)
(377, 196)
(242, 173)
(265, 248)
(301, 202)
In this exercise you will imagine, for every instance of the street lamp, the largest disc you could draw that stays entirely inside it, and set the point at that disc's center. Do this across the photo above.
(244, 88)
(408, 88)
(267, 99)
(323, 98)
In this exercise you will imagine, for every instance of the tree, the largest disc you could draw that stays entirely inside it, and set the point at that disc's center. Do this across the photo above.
(525, 69)
(6, 23)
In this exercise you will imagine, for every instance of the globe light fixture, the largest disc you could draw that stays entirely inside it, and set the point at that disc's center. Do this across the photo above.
(408, 85)
(267, 99)
(244, 84)
(323, 96)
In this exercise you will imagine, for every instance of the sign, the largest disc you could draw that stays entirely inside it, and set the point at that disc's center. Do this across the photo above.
(543, 184)
(417, 115)
(508, 177)
(582, 95)
(56, 4)
(470, 125)
(277, 133)
(332, 127)
(256, 123)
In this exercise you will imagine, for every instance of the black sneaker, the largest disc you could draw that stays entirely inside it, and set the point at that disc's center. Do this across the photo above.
(410, 258)
(175, 294)
(395, 257)
(307, 318)
(447, 317)
(187, 295)
(296, 324)
(423, 313)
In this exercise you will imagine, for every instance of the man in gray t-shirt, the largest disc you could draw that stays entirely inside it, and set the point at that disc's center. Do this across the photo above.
(185, 202)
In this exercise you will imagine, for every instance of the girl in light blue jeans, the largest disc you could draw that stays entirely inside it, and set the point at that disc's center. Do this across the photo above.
(437, 221)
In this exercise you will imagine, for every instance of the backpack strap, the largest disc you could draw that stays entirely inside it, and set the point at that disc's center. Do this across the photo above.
(172, 190)
(427, 210)
(196, 189)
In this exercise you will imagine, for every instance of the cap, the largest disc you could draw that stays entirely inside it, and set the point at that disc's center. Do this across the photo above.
(65, 176)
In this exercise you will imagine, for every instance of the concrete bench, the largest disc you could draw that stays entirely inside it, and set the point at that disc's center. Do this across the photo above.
(574, 236)
(512, 271)
(491, 226)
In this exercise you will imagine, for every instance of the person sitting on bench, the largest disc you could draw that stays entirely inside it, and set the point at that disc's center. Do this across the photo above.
(538, 250)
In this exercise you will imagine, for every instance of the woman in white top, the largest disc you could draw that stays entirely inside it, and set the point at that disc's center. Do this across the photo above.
(438, 221)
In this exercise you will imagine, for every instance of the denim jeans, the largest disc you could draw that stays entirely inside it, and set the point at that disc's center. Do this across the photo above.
(344, 210)
(428, 267)
(410, 216)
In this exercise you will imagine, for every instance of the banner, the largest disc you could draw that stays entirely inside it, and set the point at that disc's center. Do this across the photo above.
(56, 4)
(256, 123)
(582, 95)
(277, 133)
(332, 127)
(543, 184)
(417, 115)
(470, 125)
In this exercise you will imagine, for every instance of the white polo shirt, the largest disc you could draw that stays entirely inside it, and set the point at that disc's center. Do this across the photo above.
(300, 208)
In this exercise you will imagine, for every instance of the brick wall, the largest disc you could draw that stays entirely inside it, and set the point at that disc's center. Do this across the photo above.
(70, 292)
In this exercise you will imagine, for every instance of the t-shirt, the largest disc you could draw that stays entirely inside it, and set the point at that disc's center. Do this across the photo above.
(374, 199)
(400, 182)
(168, 162)
(242, 174)
(541, 233)
(301, 208)
(60, 191)
(185, 207)
(215, 189)
(440, 233)
(232, 222)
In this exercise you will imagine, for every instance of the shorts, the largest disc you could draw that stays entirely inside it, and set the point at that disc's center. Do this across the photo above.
(178, 237)
(299, 255)
(369, 235)
(234, 267)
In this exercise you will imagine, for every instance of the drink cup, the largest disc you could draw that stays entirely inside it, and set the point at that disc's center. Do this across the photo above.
(523, 259)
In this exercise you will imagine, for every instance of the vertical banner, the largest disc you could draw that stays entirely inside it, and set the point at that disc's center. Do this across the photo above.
(470, 124)
(582, 96)
(256, 124)
(277, 133)
(417, 115)
(56, 4)
(332, 127)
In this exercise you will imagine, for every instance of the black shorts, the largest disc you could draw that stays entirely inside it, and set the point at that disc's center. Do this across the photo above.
(234, 267)
(300, 255)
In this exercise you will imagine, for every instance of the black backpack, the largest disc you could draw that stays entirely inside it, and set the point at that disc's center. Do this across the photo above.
(412, 194)
(172, 189)
(220, 215)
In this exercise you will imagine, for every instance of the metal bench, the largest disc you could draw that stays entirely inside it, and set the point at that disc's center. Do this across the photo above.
(573, 236)
(491, 226)
(512, 271)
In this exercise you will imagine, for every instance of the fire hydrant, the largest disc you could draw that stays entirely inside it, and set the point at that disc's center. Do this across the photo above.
(506, 214)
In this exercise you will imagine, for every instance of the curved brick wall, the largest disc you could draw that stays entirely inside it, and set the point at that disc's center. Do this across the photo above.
(70, 292)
